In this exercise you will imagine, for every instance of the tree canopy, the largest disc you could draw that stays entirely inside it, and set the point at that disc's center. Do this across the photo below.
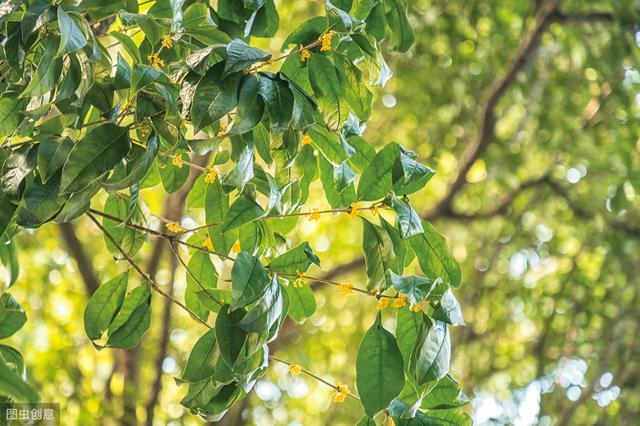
(273, 212)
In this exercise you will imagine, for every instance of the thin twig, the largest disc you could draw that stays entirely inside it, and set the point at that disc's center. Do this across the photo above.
(143, 274)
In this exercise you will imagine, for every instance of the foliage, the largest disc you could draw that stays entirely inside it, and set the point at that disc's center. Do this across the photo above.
(81, 119)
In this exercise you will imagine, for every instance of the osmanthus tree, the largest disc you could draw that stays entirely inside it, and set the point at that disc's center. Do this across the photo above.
(87, 116)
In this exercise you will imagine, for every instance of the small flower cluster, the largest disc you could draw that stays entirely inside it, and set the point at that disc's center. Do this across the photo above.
(174, 227)
(177, 161)
(353, 211)
(341, 393)
(295, 369)
(155, 61)
(208, 244)
(325, 39)
(314, 215)
(306, 139)
(211, 175)
(304, 54)
(236, 247)
(346, 287)
(299, 281)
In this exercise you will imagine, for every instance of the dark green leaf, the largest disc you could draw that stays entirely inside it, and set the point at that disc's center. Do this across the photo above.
(249, 280)
(298, 259)
(408, 220)
(379, 371)
(375, 181)
(302, 302)
(432, 353)
(434, 256)
(132, 320)
(244, 209)
(240, 56)
(12, 316)
(103, 305)
(94, 155)
(231, 338)
(448, 310)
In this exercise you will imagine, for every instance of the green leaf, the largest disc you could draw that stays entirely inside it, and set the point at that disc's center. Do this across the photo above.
(415, 287)
(9, 260)
(103, 305)
(215, 209)
(379, 371)
(244, 209)
(278, 99)
(132, 320)
(434, 256)
(298, 259)
(432, 353)
(267, 311)
(20, 163)
(94, 155)
(307, 32)
(203, 358)
(242, 172)
(249, 280)
(409, 176)
(52, 153)
(326, 86)
(231, 338)
(302, 302)
(408, 328)
(353, 88)
(343, 176)
(250, 106)
(240, 56)
(130, 240)
(213, 299)
(446, 394)
(328, 144)
(71, 36)
(142, 76)
(214, 97)
(402, 37)
(448, 310)
(378, 255)
(201, 275)
(375, 181)
(171, 176)
(13, 386)
(408, 220)
(128, 45)
(12, 316)
(47, 72)
(10, 115)
(40, 202)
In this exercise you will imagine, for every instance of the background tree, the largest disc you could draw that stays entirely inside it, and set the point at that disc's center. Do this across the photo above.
(526, 112)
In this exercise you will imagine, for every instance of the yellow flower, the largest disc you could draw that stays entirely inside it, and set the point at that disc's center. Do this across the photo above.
(166, 41)
(208, 244)
(295, 369)
(236, 247)
(299, 282)
(399, 302)
(211, 175)
(314, 215)
(415, 308)
(223, 128)
(306, 139)
(390, 421)
(353, 211)
(325, 39)
(341, 393)
(177, 161)
(174, 227)
(304, 54)
(382, 303)
(346, 287)
(155, 61)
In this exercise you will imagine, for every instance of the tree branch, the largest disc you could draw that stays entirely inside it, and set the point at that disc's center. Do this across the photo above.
(77, 251)
(581, 18)
(487, 120)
